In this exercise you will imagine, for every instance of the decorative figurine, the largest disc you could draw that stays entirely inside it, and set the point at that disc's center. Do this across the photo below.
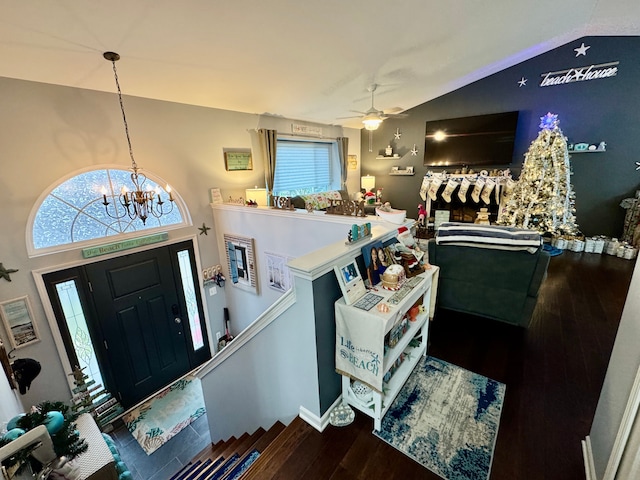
(422, 214)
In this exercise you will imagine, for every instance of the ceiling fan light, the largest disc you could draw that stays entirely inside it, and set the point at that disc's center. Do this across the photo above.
(371, 123)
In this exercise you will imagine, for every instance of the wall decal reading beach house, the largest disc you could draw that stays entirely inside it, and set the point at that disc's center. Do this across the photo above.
(579, 74)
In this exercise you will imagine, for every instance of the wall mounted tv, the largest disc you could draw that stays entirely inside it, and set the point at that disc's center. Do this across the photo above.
(478, 140)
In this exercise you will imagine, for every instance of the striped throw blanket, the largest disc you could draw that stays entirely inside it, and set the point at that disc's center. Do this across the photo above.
(488, 236)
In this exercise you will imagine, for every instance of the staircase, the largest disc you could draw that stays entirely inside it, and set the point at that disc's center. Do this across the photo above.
(248, 457)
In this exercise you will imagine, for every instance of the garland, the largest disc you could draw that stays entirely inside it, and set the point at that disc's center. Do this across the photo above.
(66, 441)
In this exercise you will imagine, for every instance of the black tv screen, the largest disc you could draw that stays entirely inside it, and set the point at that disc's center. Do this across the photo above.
(478, 140)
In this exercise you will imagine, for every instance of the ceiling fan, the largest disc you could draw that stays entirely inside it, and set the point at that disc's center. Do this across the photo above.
(373, 117)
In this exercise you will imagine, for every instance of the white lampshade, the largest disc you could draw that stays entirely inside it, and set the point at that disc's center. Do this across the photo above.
(368, 182)
(371, 123)
(258, 195)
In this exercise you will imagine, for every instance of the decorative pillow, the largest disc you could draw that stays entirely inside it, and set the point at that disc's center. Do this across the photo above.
(321, 200)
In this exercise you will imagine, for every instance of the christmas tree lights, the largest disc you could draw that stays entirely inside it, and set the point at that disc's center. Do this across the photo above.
(542, 198)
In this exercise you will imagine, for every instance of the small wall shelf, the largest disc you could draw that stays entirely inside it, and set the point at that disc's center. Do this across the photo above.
(571, 152)
(392, 157)
(401, 172)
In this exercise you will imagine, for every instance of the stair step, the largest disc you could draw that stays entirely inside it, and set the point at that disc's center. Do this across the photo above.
(207, 468)
(243, 464)
(222, 470)
(269, 436)
(195, 473)
(189, 467)
(277, 453)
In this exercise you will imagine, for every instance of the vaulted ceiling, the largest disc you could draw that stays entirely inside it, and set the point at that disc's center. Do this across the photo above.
(299, 59)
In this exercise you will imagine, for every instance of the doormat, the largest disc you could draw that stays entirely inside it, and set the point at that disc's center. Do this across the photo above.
(157, 420)
(446, 418)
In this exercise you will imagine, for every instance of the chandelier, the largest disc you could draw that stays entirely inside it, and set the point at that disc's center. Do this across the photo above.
(138, 202)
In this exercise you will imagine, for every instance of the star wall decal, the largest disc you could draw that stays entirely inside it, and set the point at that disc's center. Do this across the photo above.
(414, 150)
(522, 82)
(637, 168)
(204, 229)
(4, 272)
(582, 50)
(397, 135)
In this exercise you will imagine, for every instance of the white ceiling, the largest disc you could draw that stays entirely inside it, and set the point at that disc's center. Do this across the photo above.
(299, 59)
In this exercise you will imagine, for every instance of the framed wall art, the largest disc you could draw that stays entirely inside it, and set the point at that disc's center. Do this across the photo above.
(278, 274)
(241, 262)
(237, 159)
(18, 320)
(353, 162)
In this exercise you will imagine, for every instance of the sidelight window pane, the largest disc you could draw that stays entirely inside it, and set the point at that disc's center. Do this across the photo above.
(77, 325)
(188, 287)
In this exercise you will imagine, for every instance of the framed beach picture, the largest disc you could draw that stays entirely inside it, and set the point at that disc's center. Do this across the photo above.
(18, 320)
(241, 262)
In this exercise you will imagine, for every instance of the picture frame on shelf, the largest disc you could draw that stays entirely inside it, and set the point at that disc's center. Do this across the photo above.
(17, 317)
(395, 169)
(409, 169)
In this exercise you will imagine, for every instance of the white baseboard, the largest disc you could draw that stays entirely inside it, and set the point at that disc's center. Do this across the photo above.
(319, 423)
(587, 454)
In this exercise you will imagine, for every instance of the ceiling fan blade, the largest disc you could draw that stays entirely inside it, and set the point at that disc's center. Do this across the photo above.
(396, 115)
(352, 116)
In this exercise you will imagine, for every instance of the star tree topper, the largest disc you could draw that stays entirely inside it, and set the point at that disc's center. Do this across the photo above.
(549, 121)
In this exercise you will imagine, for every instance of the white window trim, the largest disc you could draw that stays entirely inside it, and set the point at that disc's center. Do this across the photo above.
(37, 252)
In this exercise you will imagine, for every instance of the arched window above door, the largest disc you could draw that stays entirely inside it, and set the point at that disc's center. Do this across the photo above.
(71, 214)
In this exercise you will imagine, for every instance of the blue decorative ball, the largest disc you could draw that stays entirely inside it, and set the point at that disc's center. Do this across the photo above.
(54, 422)
(13, 423)
(14, 433)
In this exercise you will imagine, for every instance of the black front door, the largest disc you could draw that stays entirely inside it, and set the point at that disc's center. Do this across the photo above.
(144, 326)
(143, 314)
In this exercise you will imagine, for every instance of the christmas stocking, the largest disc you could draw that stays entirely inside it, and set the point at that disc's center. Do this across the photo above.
(448, 190)
(508, 188)
(475, 195)
(433, 188)
(424, 188)
(486, 191)
(464, 188)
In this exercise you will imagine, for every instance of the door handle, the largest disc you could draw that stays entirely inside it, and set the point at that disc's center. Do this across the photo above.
(177, 320)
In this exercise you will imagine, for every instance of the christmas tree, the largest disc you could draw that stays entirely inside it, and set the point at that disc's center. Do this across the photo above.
(542, 198)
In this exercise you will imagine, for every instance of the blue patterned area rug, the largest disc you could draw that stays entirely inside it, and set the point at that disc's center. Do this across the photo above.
(446, 418)
(159, 419)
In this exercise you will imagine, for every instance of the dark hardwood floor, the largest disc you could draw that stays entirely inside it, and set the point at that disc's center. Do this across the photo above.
(553, 372)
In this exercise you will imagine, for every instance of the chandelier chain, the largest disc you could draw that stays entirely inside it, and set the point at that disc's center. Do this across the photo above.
(124, 117)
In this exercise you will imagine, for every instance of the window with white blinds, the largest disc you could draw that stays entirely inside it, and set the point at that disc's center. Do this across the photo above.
(304, 167)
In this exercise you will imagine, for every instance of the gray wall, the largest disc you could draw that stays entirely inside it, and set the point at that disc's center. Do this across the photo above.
(591, 111)
(51, 132)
